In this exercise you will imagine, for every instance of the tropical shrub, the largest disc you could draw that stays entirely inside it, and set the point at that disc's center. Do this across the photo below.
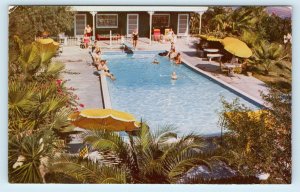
(267, 54)
(147, 158)
(38, 106)
(259, 142)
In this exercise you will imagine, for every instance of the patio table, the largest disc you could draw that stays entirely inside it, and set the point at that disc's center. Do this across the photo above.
(213, 55)
(211, 50)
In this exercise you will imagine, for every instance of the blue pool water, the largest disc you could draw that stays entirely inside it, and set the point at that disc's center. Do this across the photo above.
(191, 103)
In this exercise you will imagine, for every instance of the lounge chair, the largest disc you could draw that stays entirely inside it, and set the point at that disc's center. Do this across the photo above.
(224, 68)
(167, 31)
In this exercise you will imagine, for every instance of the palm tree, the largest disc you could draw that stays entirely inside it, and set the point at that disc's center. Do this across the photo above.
(87, 171)
(267, 54)
(28, 156)
(37, 107)
(32, 108)
(159, 157)
(245, 19)
(34, 62)
(236, 22)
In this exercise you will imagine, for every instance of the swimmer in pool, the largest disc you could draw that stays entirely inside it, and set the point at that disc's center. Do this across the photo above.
(155, 61)
(174, 76)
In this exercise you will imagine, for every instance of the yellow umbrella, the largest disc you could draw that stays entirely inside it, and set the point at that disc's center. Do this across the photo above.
(106, 119)
(45, 41)
(210, 38)
(236, 47)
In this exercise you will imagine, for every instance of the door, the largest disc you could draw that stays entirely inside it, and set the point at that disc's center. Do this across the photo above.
(132, 23)
(80, 23)
(183, 25)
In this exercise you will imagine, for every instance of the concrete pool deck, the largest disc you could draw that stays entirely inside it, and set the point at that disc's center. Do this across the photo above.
(85, 81)
(87, 84)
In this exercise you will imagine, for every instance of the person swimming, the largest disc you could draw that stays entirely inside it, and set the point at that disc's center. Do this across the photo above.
(155, 61)
(174, 76)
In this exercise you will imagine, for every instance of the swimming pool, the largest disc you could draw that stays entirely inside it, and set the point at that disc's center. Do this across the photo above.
(191, 103)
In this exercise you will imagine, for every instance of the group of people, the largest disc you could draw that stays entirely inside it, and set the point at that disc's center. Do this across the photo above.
(176, 57)
(100, 64)
(173, 55)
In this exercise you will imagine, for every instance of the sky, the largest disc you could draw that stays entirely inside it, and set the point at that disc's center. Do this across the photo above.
(283, 11)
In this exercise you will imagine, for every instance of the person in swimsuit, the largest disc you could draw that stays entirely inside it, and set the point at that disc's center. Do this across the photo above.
(134, 38)
(172, 46)
(86, 41)
(174, 76)
(155, 61)
(178, 58)
(172, 54)
(95, 47)
(88, 30)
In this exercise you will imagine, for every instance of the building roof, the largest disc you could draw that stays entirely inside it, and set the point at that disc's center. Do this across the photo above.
(140, 8)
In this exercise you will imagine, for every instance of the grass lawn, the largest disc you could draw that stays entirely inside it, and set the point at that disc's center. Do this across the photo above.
(280, 75)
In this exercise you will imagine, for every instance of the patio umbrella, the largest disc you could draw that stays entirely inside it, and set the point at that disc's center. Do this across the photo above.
(236, 47)
(210, 38)
(105, 119)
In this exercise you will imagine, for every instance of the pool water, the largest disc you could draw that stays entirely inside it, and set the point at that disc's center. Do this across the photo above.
(191, 103)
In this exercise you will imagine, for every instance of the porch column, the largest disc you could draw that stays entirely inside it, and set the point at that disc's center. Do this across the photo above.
(150, 23)
(94, 28)
(200, 21)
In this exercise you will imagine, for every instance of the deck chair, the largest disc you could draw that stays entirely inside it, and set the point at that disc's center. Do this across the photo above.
(167, 32)
(223, 68)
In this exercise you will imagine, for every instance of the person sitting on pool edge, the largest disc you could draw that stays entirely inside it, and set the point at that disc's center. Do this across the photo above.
(104, 67)
(177, 59)
(95, 47)
(174, 76)
(101, 65)
(96, 57)
(110, 75)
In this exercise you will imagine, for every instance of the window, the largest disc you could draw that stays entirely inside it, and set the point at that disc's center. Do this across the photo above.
(160, 20)
(107, 21)
(80, 24)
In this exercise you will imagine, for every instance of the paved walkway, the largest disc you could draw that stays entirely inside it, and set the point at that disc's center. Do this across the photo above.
(86, 83)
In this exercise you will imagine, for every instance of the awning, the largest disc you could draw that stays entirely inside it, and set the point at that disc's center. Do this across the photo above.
(140, 8)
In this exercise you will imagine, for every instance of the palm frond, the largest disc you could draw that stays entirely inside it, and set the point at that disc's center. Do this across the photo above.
(86, 171)
(53, 69)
